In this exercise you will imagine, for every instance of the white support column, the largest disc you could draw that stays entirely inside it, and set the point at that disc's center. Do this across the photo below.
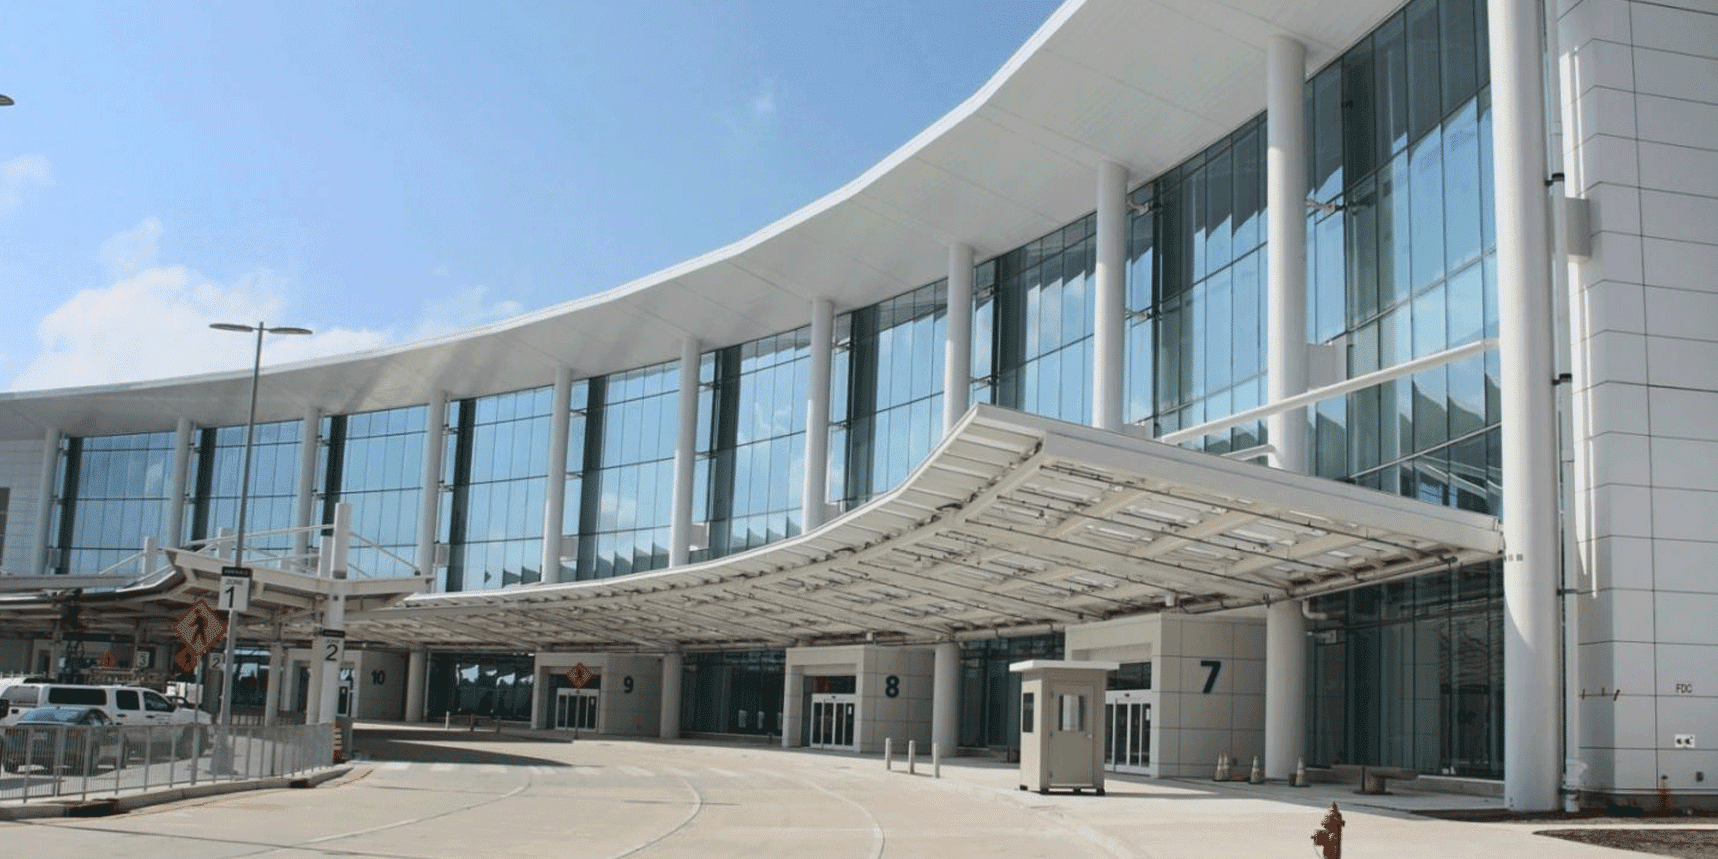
(417, 665)
(672, 667)
(812, 509)
(957, 341)
(276, 681)
(178, 494)
(45, 502)
(304, 514)
(555, 488)
(685, 454)
(1285, 687)
(945, 698)
(1110, 285)
(1285, 201)
(331, 647)
(1286, 374)
(429, 498)
(1532, 747)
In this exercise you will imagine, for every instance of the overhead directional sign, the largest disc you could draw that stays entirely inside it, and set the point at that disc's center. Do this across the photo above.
(235, 589)
(200, 628)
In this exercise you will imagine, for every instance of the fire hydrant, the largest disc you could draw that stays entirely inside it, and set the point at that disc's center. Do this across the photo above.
(1329, 835)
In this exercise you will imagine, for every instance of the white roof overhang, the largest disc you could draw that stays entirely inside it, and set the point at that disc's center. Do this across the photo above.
(281, 600)
(1014, 522)
(1145, 83)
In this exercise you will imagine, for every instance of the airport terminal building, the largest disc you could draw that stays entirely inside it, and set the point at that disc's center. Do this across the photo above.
(1345, 371)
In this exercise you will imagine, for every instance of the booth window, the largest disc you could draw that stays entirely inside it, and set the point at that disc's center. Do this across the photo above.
(1026, 713)
(1073, 713)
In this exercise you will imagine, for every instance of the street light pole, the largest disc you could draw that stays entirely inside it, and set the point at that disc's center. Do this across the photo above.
(228, 680)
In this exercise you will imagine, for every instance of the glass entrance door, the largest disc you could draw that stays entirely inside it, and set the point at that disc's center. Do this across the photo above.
(576, 709)
(1127, 730)
(832, 717)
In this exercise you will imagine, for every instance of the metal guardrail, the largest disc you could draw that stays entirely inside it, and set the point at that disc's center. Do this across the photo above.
(43, 762)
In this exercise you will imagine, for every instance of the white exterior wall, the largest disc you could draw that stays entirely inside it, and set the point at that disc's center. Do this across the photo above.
(378, 685)
(906, 716)
(21, 471)
(1639, 106)
(1189, 726)
(1197, 726)
(637, 713)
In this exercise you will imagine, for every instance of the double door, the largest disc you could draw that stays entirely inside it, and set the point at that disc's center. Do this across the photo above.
(832, 719)
(1127, 730)
(576, 709)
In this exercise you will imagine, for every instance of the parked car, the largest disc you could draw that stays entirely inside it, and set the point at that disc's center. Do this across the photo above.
(73, 738)
(129, 706)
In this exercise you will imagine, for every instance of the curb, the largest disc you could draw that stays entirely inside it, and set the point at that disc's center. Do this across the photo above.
(121, 804)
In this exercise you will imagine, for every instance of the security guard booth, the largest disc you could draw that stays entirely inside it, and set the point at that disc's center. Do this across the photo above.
(1061, 734)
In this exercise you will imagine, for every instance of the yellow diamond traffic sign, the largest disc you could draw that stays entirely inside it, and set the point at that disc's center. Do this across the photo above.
(579, 675)
(199, 627)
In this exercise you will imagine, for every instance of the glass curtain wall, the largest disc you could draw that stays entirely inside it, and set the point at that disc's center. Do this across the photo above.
(735, 692)
(758, 426)
(494, 518)
(1198, 261)
(892, 366)
(990, 693)
(1410, 674)
(1033, 315)
(1401, 265)
(497, 686)
(374, 461)
(114, 493)
(627, 482)
(273, 496)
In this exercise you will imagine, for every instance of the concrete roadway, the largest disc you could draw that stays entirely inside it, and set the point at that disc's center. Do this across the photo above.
(426, 793)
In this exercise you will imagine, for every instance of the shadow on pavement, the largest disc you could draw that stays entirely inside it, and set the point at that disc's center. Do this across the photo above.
(451, 747)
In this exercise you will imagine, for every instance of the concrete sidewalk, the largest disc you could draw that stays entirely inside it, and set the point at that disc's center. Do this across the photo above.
(699, 798)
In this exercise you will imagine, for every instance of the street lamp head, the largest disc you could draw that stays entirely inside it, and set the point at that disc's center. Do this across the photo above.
(5, 101)
(248, 329)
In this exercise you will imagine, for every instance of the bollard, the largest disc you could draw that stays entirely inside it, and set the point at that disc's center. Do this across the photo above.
(889, 753)
(1328, 836)
(912, 756)
(936, 761)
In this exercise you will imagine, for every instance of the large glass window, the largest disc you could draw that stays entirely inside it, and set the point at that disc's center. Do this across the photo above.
(273, 498)
(374, 461)
(1035, 305)
(759, 430)
(1201, 224)
(894, 352)
(733, 692)
(1410, 674)
(115, 492)
(627, 482)
(498, 470)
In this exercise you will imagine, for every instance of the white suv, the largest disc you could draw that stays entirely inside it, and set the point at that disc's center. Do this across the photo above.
(125, 705)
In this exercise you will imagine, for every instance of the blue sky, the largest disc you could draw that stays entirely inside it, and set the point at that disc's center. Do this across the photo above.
(387, 171)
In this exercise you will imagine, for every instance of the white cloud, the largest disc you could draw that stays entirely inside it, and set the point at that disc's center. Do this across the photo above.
(130, 252)
(152, 322)
(19, 176)
(762, 103)
(466, 307)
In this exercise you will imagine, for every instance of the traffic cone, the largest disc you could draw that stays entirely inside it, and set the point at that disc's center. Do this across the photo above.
(1222, 773)
(1300, 774)
(1258, 774)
